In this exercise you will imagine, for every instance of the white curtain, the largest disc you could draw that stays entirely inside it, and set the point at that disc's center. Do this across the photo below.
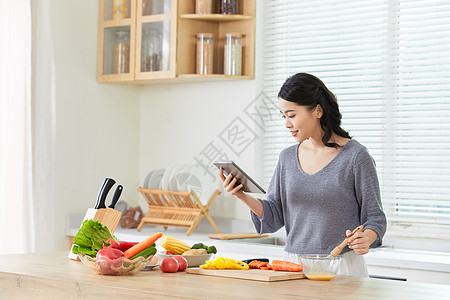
(43, 118)
(26, 129)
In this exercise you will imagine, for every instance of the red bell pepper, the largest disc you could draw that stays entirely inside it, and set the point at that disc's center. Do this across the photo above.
(121, 245)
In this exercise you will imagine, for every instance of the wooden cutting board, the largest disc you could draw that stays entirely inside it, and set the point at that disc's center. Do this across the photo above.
(231, 236)
(252, 274)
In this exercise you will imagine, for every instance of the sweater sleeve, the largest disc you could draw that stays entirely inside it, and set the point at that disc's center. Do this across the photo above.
(272, 219)
(367, 191)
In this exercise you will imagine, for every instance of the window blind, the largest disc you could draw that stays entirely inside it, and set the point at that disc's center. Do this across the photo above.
(388, 63)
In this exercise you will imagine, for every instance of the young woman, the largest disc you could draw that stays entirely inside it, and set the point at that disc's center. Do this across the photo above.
(324, 186)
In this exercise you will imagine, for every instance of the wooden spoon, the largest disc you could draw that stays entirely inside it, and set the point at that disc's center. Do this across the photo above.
(339, 248)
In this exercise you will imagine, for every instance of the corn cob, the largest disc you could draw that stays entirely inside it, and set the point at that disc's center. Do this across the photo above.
(174, 245)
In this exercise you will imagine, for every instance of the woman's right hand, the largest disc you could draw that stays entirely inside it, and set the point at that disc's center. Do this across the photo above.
(229, 184)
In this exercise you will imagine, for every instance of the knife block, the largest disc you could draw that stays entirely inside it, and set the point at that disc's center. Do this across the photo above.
(107, 216)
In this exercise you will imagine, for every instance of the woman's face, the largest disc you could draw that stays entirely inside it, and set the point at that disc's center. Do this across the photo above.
(301, 122)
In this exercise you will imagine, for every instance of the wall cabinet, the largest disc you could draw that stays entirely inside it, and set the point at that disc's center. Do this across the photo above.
(155, 41)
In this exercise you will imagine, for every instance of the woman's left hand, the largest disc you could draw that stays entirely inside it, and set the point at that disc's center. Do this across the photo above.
(361, 240)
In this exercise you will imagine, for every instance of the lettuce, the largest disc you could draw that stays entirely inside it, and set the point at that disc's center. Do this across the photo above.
(90, 237)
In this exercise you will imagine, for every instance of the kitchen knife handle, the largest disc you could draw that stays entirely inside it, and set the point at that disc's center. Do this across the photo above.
(116, 196)
(107, 185)
(339, 248)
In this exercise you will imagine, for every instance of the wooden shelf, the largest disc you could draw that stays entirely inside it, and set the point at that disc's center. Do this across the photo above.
(180, 79)
(216, 17)
(117, 23)
(179, 26)
(155, 18)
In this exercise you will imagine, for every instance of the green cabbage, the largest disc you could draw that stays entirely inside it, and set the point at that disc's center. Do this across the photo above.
(90, 237)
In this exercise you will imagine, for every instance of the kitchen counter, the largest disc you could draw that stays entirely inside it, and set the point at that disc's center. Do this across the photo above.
(54, 276)
(411, 265)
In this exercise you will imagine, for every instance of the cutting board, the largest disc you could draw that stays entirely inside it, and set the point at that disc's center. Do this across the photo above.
(231, 236)
(252, 274)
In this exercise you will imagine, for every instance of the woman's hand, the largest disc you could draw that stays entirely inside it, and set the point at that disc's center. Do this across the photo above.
(229, 182)
(361, 240)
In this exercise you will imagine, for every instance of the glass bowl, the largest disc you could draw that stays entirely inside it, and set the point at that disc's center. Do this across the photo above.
(119, 266)
(320, 266)
(192, 260)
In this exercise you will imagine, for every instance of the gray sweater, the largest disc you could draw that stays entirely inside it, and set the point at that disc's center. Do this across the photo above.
(317, 209)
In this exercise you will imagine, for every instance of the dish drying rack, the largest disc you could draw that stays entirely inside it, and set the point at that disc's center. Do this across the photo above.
(176, 208)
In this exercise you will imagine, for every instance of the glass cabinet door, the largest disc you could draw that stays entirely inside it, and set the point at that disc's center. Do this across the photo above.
(137, 40)
(155, 26)
(155, 46)
(156, 7)
(116, 40)
(117, 9)
(116, 50)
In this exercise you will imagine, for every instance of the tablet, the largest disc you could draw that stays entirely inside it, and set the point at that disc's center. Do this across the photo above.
(250, 186)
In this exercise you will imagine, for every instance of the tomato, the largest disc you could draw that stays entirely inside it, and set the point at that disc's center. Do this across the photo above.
(168, 265)
(182, 263)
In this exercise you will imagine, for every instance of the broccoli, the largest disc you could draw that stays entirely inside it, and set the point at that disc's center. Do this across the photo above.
(199, 246)
(211, 249)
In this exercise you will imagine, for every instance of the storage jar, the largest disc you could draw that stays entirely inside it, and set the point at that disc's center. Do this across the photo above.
(233, 54)
(151, 52)
(204, 6)
(120, 9)
(122, 52)
(228, 7)
(205, 53)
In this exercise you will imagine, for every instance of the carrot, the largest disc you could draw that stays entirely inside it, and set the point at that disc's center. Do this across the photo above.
(281, 265)
(256, 264)
(262, 264)
(265, 268)
(129, 253)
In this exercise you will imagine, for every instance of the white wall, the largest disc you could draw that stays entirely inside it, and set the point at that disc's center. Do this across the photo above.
(120, 131)
(97, 125)
(179, 121)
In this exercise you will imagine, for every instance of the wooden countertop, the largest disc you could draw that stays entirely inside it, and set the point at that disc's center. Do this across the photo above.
(54, 276)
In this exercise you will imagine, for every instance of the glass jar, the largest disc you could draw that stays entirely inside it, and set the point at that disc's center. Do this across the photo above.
(233, 54)
(122, 52)
(205, 53)
(151, 52)
(204, 6)
(120, 9)
(147, 6)
(228, 7)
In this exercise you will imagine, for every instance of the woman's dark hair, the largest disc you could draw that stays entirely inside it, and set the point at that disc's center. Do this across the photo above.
(308, 90)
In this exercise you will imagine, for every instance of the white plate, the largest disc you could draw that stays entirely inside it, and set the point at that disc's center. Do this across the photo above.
(149, 267)
(153, 183)
(155, 180)
(173, 182)
(166, 177)
(146, 179)
(192, 260)
(181, 179)
(202, 183)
